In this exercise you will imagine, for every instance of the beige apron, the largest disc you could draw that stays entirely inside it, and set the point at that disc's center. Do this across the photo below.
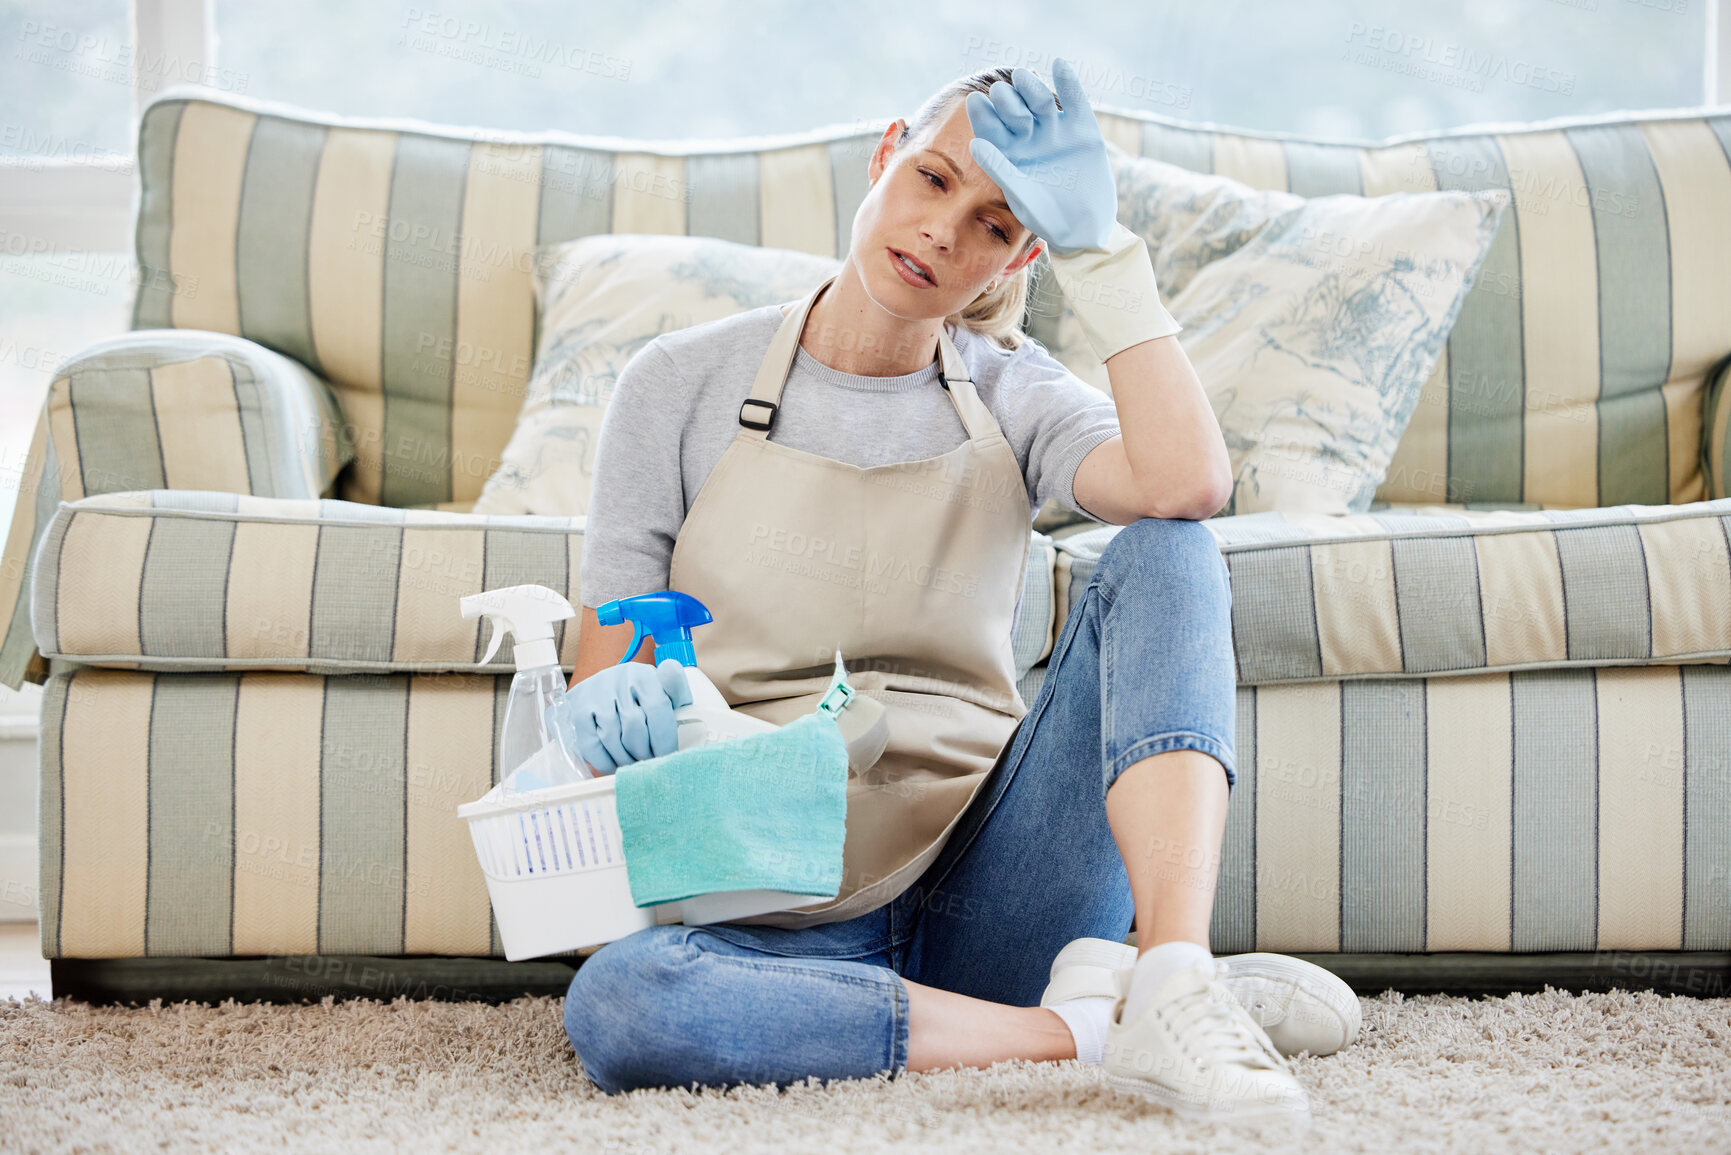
(913, 570)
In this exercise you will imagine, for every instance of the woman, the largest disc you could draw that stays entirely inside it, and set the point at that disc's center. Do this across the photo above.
(871, 488)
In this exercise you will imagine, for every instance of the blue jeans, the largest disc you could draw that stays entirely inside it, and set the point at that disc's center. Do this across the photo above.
(1144, 665)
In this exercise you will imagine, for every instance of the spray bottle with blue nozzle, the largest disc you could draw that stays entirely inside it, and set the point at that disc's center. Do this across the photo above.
(668, 616)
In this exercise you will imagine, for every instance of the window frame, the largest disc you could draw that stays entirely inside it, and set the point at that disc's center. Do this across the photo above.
(85, 203)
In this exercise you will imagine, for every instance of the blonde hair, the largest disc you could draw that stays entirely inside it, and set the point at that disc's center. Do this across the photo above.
(995, 314)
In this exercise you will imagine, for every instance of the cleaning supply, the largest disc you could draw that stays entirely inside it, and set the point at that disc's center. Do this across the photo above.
(668, 616)
(863, 723)
(553, 852)
(555, 859)
(555, 868)
(547, 835)
(762, 808)
(742, 826)
(531, 755)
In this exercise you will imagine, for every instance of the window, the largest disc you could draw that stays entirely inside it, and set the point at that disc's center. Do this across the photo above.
(693, 68)
(66, 82)
(51, 306)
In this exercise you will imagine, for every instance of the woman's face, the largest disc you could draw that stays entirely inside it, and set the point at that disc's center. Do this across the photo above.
(932, 204)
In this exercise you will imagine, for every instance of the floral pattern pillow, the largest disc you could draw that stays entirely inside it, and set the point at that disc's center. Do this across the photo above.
(1313, 323)
(601, 299)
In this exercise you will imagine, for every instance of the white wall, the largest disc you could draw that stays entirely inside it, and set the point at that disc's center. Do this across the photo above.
(1719, 52)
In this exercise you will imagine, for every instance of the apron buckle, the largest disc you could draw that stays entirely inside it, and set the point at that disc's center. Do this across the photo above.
(769, 418)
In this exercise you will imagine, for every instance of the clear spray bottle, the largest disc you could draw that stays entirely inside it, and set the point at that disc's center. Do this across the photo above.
(531, 756)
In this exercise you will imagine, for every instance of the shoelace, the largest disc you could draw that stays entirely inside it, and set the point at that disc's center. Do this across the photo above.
(1205, 1013)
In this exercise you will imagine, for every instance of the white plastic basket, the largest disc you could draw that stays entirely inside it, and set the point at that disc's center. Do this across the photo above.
(554, 861)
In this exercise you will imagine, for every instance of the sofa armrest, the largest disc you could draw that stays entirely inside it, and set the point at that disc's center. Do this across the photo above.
(165, 409)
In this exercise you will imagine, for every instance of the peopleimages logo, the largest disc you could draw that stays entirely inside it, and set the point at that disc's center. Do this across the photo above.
(96, 57)
(1445, 62)
(819, 558)
(508, 49)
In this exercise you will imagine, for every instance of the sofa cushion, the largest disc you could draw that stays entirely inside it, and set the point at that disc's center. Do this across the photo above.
(1573, 375)
(1402, 593)
(602, 299)
(186, 580)
(219, 581)
(396, 258)
(1312, 322)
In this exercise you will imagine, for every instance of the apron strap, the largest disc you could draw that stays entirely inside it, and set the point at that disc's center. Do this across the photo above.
(758, 411)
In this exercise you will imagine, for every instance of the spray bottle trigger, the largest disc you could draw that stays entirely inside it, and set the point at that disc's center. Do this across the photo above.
(636, 641)
(499, 632)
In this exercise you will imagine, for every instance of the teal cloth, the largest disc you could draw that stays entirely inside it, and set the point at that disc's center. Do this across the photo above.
(763, 812)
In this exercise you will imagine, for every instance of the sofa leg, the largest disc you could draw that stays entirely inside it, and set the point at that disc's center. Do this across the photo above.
(1698, 973)
(307, 978)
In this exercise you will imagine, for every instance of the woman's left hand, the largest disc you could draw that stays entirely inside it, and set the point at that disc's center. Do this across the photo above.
(1050, 163)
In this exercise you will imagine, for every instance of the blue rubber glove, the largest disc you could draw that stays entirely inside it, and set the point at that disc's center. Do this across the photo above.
(1050, 163)
(622, 714)
(1052, 166)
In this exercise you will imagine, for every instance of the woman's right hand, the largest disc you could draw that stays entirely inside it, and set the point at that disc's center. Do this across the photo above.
(623, 714)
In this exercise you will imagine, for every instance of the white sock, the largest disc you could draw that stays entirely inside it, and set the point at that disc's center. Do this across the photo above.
(1087, 1019)
(1155, 966)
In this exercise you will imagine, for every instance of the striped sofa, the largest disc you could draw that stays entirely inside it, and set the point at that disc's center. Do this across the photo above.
(1491, 714)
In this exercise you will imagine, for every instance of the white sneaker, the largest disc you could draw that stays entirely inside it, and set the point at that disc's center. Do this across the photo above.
(1302, 1007)
(1087, 967)
(1195, 1050)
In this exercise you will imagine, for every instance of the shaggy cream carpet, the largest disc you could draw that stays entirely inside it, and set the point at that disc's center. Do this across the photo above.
(1618, 1071)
